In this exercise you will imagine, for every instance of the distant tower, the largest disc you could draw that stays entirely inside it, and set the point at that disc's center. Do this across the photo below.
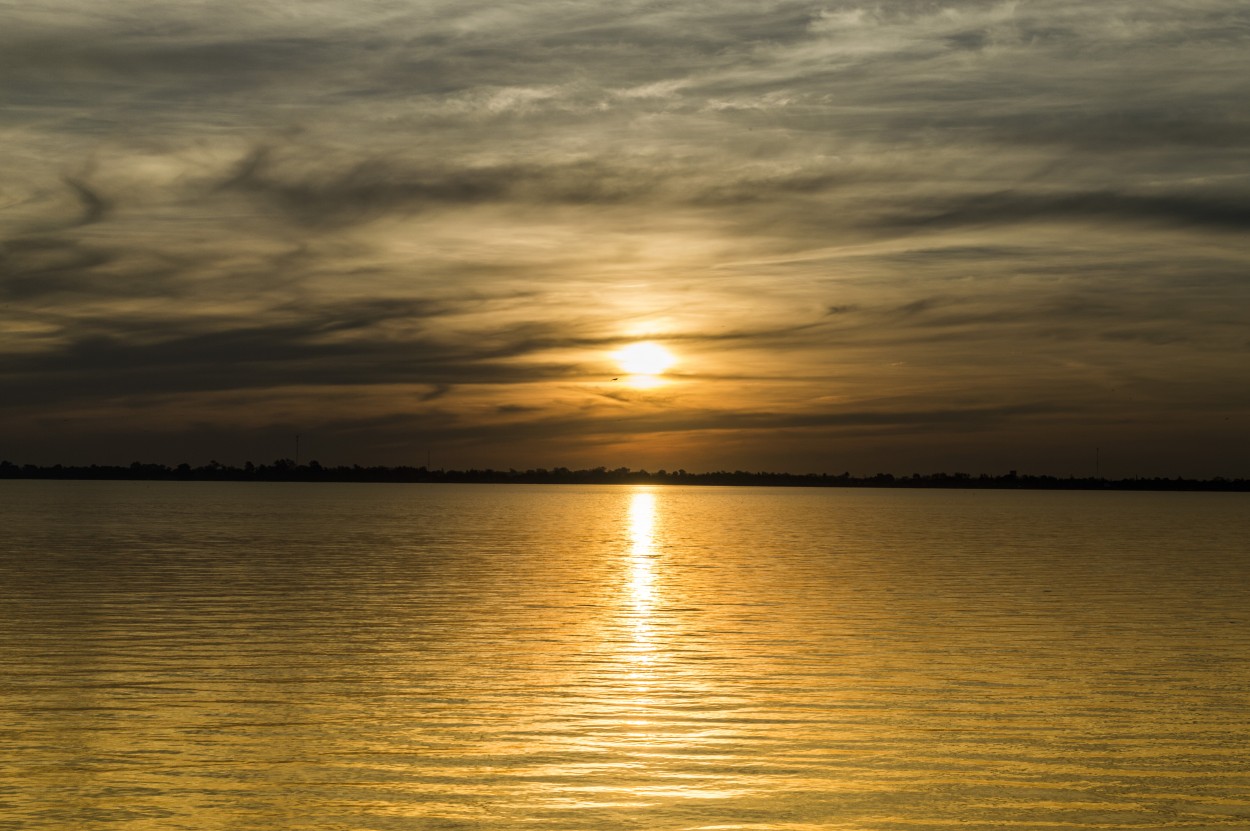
(297, 449)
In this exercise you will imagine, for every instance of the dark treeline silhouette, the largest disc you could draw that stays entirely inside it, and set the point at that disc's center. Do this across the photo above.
(286, 470)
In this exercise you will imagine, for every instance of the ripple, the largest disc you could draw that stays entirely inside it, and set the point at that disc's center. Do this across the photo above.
(313, 657)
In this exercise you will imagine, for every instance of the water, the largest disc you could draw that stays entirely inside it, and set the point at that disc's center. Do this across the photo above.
(351, 657)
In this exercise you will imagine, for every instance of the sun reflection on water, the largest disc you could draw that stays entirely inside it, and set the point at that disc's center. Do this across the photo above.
(641, 587)
(642, 541)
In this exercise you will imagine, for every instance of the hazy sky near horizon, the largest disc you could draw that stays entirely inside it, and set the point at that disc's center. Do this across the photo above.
(903, 236)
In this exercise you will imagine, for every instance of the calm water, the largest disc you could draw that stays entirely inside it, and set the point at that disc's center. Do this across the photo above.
(341, 658)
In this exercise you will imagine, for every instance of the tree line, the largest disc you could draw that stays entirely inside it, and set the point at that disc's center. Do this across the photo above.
(286, 470)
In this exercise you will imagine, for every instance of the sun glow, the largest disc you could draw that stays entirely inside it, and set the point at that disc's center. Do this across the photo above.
(645, 362)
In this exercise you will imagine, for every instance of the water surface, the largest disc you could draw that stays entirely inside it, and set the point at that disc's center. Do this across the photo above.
(349, 657)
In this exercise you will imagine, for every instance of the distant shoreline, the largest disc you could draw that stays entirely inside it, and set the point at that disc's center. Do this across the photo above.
(285, 470)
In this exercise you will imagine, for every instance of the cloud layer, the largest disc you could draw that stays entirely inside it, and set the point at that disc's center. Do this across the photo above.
(973, 235)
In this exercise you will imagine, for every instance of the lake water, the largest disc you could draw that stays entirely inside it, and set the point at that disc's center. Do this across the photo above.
(350, 657)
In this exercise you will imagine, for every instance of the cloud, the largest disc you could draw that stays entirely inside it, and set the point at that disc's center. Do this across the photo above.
(95, 207)
(1220, 213)
(37, 267)
(343, 345)
(445, 215)
(376, 187)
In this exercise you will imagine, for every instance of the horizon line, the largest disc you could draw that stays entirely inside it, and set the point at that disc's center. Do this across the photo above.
(286, 470)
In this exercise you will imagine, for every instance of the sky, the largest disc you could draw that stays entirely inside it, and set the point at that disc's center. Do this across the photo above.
(895, 237)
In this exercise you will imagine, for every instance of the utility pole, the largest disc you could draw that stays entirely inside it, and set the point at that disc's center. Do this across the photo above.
(1097, 462)
(297, 449)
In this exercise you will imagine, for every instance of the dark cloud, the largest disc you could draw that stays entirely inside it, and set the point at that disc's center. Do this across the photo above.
(367, 190)
(962, 419)
(1215, 212)
(38, 267)
(319, 194)
(339, 346)
(94, 206)
(376, 188)
(444, 427)
(1127, 131)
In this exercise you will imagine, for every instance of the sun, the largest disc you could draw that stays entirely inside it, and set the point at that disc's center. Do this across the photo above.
(644, 362)
(645, 358)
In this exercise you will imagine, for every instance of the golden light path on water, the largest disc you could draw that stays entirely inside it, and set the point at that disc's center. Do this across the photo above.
(644, 702)
(489, 658)
(642, 578)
